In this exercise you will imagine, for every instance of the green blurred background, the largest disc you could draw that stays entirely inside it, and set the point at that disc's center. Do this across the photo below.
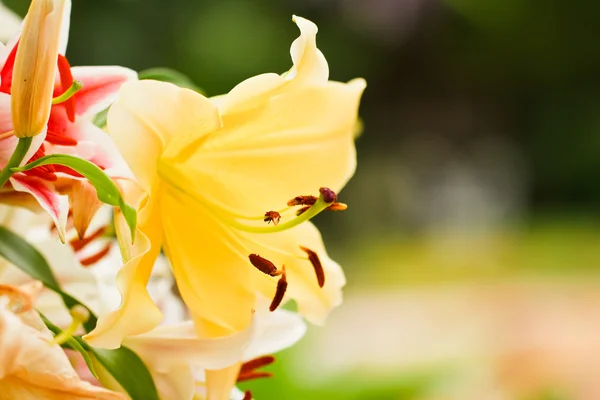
(471, 242)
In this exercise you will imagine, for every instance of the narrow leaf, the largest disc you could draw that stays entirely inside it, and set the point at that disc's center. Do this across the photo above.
(24, 256)
(106, 189)
(129, 370)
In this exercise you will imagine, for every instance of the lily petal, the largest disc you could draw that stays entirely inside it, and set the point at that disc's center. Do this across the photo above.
(171, 344)
(142, 124)
(32, 368)
(137, 313)
(100, 87)
(55, 205)
(292, 145)
(204, 256)
(314, 302)
(275, 331)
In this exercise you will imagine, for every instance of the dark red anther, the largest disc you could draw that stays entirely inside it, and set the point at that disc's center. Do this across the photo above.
(66, 80)
(272, 216)
(248, 369)
(247, 395)
(328, 195)
(256, 363)
(93, 259)
(254, 375)
(263, 265)
(279, 292)
(313, 257)
(302, 201)
(78, 244)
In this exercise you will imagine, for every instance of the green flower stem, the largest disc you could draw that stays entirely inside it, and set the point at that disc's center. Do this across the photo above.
(15, 159)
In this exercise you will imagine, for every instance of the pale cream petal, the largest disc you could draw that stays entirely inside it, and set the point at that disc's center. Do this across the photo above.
(294, 144)
(275, 331)
(314, 302)
(211, 269)
(173, 382)
(179, 344)
(32, 368)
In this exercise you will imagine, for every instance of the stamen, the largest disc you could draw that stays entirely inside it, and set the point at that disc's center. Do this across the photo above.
(302, 201)
(94, 258)
(80, 315)
(70, 92)
(328, 195)
(247, 395)
(256, 363)
(313, 257)
(302, 210)
(279, 292)
(254, 375)
(338, 207)
(248, 369)
(78, 244)
(263, 265)
(182, 183)
(272, 216)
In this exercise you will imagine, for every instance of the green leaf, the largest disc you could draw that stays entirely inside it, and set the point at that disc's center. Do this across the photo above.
(106, 189)
(129, 370)
(72, 344)
(122, 364)
(171, 76)
(24, 256)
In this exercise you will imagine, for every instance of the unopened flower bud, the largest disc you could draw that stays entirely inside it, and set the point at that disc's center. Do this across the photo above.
(35, 67)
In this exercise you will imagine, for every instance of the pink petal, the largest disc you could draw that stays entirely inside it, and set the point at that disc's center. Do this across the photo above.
(94, 145)
(5, 115)
(55, 205)
(100, 87)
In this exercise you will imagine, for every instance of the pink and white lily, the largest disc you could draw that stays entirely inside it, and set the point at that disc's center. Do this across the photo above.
(69, 130)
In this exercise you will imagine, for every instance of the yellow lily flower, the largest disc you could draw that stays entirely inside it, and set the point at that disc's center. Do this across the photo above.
(211, 169)
(35, 67)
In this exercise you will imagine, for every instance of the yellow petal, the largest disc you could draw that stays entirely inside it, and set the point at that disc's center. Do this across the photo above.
(137, 313)
(151, 117)
(292, 145)
(211, 268)
(283, 248)
(147, 118)
(220, 382)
